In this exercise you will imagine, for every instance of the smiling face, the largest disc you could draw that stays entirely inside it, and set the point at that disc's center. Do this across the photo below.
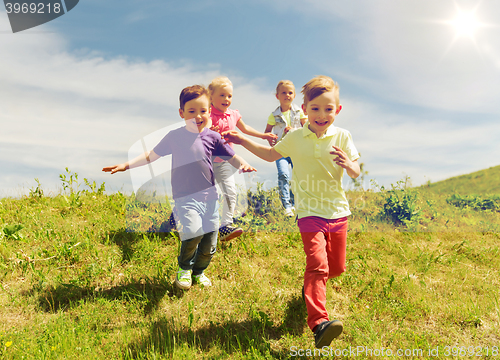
(321, 112)
(286, 94)
(222, 97)
(196, 113)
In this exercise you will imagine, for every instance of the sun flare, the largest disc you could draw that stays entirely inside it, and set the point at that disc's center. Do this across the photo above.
(467, 28)
(465, 24)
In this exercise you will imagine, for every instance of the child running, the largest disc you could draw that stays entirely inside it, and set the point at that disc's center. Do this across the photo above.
(195, 196)
(320, 153)
(286, 117)
(225, 119)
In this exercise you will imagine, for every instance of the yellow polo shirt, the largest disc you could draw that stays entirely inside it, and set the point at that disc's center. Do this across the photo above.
(316, 179)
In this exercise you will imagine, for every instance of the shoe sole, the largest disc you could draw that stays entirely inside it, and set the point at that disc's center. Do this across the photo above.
(196, 282)
(331, 332)
(231, 236)
(202, 284)
(181, 286)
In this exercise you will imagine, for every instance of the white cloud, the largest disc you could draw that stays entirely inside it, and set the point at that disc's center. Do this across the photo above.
(83, 110)
(435, 147)
(402, 50)
(422, 65)
(79, 110)
(402, 53)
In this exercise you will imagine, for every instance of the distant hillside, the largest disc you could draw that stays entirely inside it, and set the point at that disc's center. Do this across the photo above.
(480, 182)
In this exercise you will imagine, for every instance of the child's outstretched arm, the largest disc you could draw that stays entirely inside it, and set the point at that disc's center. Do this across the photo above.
(264, 152)
(352, 167)
(147, 157)
(247, 129)
(242, 165)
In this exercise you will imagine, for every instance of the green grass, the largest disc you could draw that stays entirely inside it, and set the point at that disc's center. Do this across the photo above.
(76, 283)
(480, 182)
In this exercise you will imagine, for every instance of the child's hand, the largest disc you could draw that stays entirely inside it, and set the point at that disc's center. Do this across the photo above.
(215, 128)
(232, 136)
(287, 129)
(352, 167)
(246, 168)
(271, 138)
(342, 159)
(115, 168)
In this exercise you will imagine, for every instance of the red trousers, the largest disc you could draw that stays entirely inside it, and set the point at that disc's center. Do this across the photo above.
(325, 247)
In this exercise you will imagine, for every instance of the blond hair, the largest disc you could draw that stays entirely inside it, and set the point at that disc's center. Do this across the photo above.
(284, 82)
(319, 85)
(219, 81)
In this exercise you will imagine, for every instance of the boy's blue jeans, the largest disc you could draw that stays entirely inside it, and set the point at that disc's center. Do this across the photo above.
(198, 230)
(284, 176)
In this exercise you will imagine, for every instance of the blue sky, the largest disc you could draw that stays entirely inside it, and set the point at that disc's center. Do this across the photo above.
(418, 98)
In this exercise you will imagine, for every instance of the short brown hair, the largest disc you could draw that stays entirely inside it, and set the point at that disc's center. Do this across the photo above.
(284, 82)
(319, 85)
(190, 93)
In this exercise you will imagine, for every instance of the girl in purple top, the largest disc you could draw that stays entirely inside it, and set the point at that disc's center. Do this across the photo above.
(194, 193)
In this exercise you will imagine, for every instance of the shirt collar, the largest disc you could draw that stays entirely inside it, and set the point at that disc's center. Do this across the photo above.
(332, 130)
(217, 112)
(292, 108)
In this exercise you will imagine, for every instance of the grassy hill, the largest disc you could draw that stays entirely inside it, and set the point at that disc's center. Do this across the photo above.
(76, 282)
(480, 182)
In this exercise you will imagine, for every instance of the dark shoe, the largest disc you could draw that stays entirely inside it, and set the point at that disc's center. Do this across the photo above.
(303, 294)
(326, 332)
(229, 232)
(169, 225)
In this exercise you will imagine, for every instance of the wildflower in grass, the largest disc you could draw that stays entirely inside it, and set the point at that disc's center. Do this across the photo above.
(8, 344)
(53, 348)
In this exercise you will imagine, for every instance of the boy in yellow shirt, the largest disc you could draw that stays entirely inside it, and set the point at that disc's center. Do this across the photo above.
(320, 153)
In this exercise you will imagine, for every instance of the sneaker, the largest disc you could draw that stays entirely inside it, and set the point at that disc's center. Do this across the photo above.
(229, 232)
(289, 212)
(183, 279)
(169, 225)
(202, 280)
(326, 332)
